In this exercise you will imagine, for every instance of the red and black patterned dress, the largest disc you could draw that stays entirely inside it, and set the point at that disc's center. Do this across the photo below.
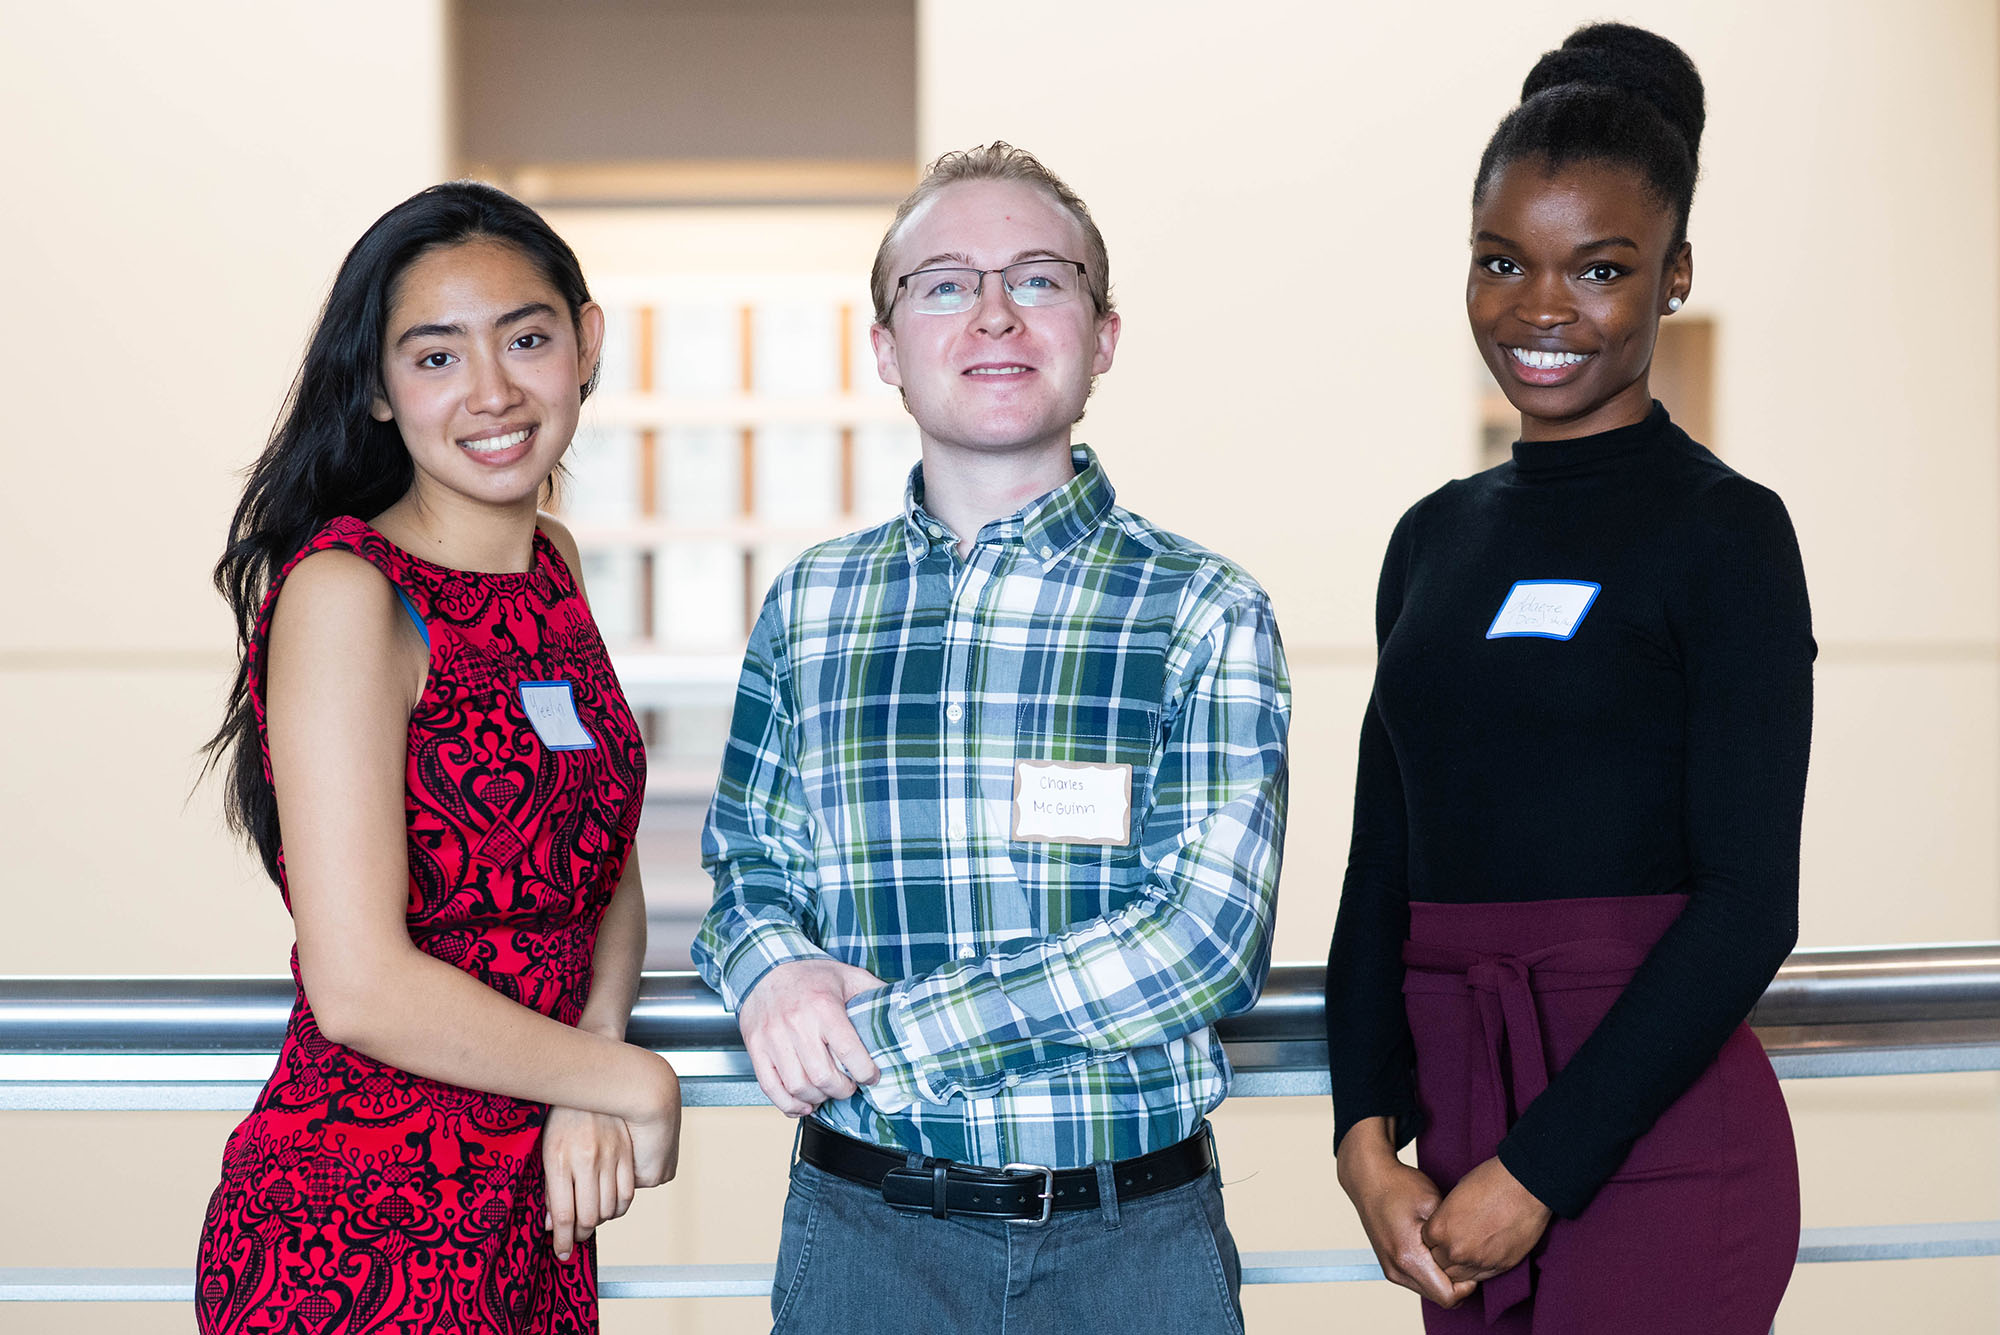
(358, 1197)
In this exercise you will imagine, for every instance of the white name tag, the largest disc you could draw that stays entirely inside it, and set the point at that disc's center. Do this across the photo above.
(1058, 803)
(551, 707)
(1550, 609)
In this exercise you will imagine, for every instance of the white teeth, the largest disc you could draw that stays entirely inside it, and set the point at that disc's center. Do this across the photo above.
(1547, 361)
(997, 370)
(495, 444)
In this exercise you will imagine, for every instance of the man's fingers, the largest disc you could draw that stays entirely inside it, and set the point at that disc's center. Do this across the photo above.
(796, 1021)
(799, 1090)
(767, 1080)
(774, 1088)
(779, 1084)
(848, 1049)
(819, 1068)
(813, 1034)
(793, 1073)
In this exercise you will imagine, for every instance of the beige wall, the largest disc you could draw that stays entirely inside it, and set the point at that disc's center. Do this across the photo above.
(181, 183)
(184, 180)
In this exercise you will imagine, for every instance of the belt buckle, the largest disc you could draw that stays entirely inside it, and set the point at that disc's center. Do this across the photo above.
(1048, 1192)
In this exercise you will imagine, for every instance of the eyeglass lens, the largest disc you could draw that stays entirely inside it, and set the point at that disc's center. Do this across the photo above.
(1028, 283)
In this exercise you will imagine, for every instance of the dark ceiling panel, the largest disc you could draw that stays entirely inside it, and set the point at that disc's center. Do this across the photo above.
(678, 80)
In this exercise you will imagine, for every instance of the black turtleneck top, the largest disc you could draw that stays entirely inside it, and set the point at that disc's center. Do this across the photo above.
(1660, 748)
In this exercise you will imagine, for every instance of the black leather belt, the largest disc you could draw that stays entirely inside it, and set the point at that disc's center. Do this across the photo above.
(1028, 1193)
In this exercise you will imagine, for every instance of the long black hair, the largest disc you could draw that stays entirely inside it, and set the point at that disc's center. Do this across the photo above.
(1609, 93)
(328, 457)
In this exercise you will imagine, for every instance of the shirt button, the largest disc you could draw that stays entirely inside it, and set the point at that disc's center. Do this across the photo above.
(936, 531)
(954, 713)
(965, 952)
(1047, 552)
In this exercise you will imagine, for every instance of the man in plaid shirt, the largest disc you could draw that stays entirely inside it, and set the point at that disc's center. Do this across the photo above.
(997, 835)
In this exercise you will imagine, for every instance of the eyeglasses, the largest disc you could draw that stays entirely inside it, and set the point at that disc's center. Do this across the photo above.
(1028, 283)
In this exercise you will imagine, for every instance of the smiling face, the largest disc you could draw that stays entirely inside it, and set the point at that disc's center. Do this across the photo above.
(995, 378)
(1571, 272)
(481, 372)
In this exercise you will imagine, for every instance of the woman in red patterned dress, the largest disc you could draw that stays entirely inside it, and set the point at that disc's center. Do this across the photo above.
(426, 711)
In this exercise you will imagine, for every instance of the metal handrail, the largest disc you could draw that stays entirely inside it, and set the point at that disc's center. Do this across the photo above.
(70, 1043)
(1881, 984)
(1815, 989)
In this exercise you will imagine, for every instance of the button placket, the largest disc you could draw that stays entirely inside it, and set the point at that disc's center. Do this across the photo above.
(959, 764)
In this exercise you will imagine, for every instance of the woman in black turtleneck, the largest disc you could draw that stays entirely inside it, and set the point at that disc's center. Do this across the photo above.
(1576, 833)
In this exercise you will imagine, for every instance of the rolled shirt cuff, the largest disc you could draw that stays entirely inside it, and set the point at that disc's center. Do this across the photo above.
(761, 950)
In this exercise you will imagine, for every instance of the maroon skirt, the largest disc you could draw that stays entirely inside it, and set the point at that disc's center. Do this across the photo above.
(1698, 1230)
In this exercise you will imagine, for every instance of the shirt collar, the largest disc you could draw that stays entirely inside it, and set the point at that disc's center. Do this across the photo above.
(1047, 526)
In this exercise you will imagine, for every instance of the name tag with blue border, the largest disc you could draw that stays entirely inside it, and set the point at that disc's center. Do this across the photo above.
(551, 708)
(1547, 609)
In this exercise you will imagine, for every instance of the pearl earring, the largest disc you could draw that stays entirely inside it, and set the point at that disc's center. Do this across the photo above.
(1673, 303)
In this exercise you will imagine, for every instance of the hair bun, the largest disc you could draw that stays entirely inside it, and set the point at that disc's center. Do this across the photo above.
(1634, 61)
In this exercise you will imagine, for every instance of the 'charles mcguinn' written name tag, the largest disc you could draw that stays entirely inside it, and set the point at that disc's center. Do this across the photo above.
(1058, 803)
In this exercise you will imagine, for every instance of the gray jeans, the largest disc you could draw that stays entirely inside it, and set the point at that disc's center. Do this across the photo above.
(850, 1265)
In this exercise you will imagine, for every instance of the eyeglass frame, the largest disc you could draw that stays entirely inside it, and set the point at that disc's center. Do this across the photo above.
(979, 289)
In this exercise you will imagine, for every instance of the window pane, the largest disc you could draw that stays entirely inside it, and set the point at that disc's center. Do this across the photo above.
(798, 474)
(603, 485)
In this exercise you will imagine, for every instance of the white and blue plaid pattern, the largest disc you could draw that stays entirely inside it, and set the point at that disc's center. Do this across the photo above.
(1047, 1003)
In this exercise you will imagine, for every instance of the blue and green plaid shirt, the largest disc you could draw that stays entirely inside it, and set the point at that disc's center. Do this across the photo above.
(1047, 1003)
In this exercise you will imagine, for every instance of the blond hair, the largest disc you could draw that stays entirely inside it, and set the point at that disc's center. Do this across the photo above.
(997, 161)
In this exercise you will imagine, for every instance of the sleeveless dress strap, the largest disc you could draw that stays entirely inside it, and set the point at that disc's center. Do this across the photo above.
(416, 618)
(347, 534)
